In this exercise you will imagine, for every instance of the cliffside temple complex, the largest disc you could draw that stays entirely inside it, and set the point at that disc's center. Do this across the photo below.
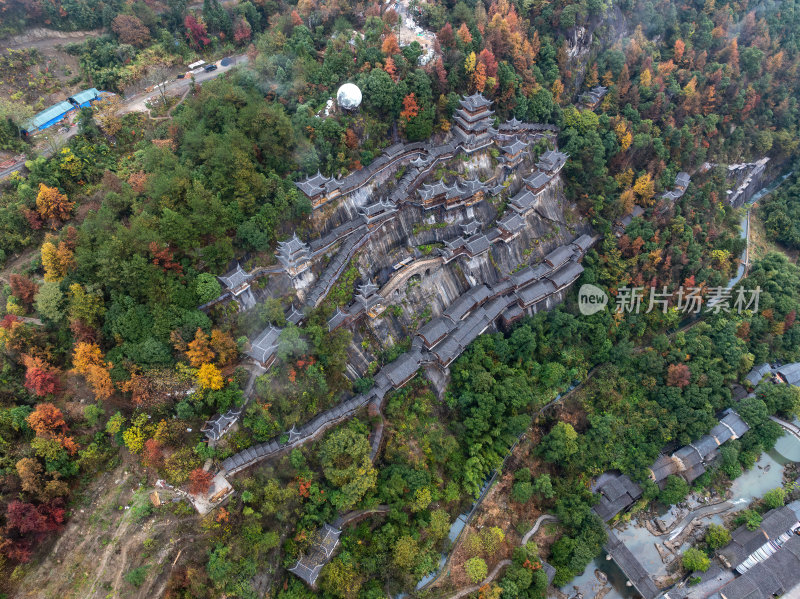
(423, 226)
(478, 256)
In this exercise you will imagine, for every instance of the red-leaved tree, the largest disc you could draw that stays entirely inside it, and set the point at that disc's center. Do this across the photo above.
(196, 31)
(199, 481)
(23, 289)
(40, 377)
(678, 375)
(37, 519)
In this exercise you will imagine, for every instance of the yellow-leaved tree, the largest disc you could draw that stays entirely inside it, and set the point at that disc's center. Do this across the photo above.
(56, 261)
(469, 62)
(210, 377)
(645, 188)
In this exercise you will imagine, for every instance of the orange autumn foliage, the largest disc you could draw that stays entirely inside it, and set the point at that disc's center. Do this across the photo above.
(390, 68)
(199, 350)
(410, 107)
(53, 205)
(390, 47)
(47, 421)
(87, 359)
(224, 346)
(463, 34)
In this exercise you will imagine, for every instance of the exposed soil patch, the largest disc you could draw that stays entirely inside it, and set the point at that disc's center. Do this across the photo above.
(110, 533)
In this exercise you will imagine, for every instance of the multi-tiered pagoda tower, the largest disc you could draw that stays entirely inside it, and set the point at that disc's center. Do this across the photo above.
(473, 123)
(294, 255)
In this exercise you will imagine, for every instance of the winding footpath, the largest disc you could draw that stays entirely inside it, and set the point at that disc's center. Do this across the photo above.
(535, 529)
(476, 587)
(505, 562)
(787, 426)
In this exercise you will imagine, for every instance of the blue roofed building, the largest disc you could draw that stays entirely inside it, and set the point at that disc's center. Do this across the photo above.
(48, 118)
(85, 98)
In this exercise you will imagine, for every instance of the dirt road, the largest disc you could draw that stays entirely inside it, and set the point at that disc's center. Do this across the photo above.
(41, 38)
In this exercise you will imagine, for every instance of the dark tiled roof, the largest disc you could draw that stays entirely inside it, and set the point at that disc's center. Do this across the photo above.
(706, 445)
(448, 350)
(721, 433)
(367, 289)
(523, 200)
(403, 368)
(534, 293)
(631, 567)
(683, 179)
(694, 472)
(551, 161)
(323, 544)
(566, 275)
(778, 521)
(512, 314)
(313, 185)
(558, 256)
(513, 223)
(732, 419)
(477, 245)
(616, 494)
(474, 102)
(292, 251)
(537, 180)
(456, 243)
(663, 467)
(791, 373)
(435, 330)
(473, 186)
(741, 588)
(689, 456)
(584, 242)
(471, 227)
(523, 277)
(265, 344)
(743, 543)
(514, 147)
(757, 373)
(234, 278)
(550, 571)
(513, 124)
(337, 319)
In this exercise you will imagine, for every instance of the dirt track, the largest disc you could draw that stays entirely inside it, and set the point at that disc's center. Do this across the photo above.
(41, 38)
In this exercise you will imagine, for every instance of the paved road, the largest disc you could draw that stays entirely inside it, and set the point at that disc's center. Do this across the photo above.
(135, 103)
(45, 149)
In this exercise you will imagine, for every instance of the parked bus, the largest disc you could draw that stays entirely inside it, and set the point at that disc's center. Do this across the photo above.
(197, 64)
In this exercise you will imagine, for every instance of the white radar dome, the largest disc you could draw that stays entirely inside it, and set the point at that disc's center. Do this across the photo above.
(349, 96)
